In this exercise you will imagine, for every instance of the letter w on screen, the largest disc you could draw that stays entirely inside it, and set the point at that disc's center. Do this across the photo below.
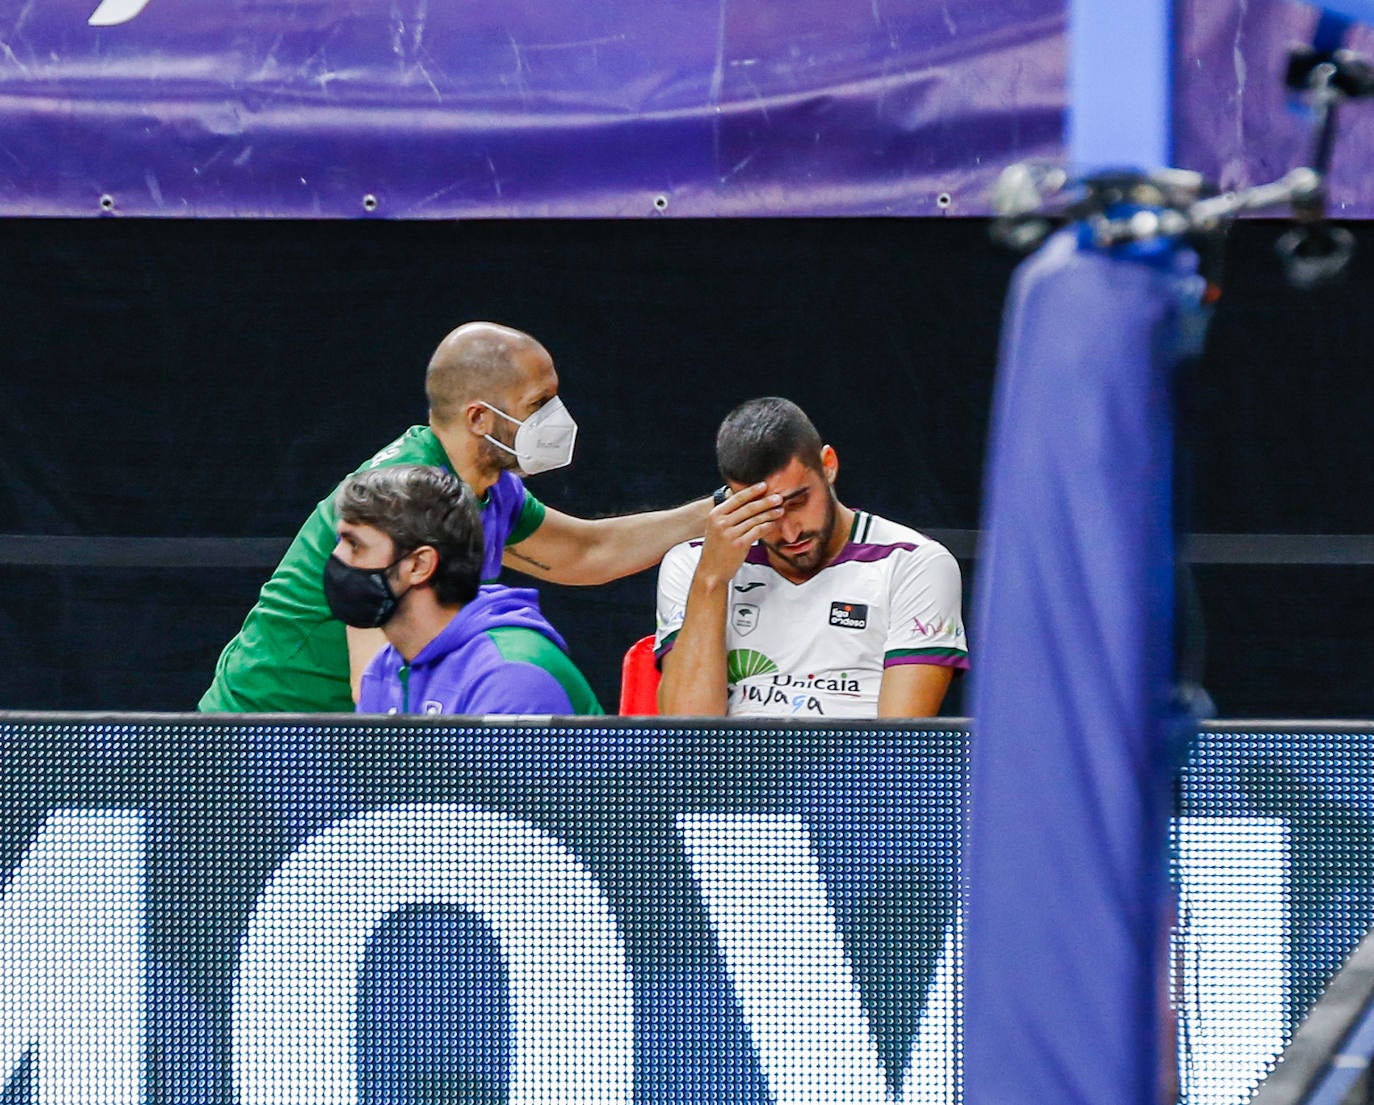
(766, 899)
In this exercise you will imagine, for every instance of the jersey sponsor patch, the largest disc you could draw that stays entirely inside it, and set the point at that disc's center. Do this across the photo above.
(777, 700)
(741, 663)
(744, 618)
(849, 615)
(936, 626)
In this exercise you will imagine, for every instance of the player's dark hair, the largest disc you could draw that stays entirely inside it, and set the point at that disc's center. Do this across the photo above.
(760, 437)
(416, 505)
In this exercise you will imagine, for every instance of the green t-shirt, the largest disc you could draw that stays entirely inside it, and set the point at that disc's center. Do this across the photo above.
(292, 653)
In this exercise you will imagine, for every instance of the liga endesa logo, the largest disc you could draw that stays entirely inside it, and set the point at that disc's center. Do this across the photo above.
(849, 615)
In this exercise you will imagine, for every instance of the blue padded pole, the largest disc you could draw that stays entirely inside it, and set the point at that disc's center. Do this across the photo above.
(1120, 84)
(1066, 848)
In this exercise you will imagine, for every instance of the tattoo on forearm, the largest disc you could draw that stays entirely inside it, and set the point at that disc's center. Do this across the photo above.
(527, 559)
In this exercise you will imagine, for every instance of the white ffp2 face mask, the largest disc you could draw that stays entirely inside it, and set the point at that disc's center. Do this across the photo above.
(544, 440)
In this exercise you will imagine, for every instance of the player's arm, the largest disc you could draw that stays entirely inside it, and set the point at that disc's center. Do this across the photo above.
(583, 551)
(926, 643)
(694, 682)
(913, 690)
(363, 645)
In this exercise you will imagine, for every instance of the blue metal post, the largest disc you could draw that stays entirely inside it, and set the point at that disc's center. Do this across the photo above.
(1120, 84)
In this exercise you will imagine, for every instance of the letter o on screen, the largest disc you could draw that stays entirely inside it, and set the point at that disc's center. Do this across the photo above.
(296, 991)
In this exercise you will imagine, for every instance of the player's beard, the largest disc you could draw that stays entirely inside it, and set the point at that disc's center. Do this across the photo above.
(497, 460)
(817, 556)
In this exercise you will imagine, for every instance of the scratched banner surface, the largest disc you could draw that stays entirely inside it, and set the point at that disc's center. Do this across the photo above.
(1233, 120)
(406, 109)
(317, 911)
(412, 109)
(622, 108)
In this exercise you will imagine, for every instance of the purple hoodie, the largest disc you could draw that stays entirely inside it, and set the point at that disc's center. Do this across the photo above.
(498, 655)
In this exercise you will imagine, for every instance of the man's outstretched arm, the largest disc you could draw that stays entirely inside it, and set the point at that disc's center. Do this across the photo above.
(585, 551)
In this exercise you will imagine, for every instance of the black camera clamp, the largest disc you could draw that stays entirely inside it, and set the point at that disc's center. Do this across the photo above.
(1119, 207)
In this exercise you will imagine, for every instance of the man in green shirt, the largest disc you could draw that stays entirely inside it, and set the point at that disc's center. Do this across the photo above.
(494, 415)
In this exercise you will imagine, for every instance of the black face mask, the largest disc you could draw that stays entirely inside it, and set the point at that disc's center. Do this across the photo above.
(360, 597)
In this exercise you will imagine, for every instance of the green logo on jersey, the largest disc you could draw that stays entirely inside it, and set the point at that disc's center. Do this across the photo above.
(744, 662)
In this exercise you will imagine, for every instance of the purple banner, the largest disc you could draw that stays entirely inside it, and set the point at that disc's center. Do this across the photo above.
(621, 108)
(1233, 120)
(522, 108)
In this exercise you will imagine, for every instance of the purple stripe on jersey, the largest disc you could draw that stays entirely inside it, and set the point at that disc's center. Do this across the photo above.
(852, 551)
(666, 647)
(867, 554)
(939, 661)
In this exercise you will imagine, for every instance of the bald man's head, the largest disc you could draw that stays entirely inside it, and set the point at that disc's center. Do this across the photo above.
(479, 360)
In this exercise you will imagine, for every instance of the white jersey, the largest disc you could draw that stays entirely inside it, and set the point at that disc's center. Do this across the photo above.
(818, 648)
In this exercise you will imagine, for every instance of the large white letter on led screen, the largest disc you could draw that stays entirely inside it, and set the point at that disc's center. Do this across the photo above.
(778, 934)
(71, 960)
(1233, 919)
(296, 994)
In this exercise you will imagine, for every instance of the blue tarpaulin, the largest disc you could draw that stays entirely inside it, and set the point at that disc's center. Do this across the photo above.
(1066, 851)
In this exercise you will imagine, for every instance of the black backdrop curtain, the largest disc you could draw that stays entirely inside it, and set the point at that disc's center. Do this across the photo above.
(177, 380)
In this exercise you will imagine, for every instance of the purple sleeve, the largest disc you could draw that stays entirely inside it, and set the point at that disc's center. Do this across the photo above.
(372, 691)
(516, 688)
(500, 518)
